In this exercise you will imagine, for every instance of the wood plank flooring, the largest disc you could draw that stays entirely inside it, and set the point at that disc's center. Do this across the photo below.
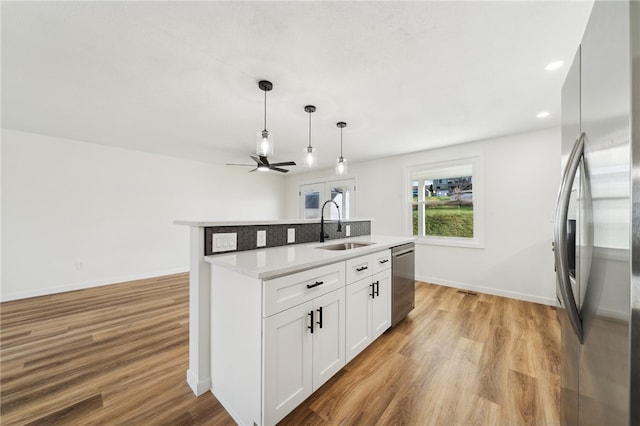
(118, 355)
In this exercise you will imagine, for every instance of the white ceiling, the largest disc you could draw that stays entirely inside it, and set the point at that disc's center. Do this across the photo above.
(180, 78)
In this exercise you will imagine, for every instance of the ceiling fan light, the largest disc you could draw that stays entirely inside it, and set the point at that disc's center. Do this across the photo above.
(263, 168)
(341, 166)
(264, 143)
(310, 157)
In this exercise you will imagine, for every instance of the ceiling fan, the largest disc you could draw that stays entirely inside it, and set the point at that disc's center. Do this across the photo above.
(263, 165)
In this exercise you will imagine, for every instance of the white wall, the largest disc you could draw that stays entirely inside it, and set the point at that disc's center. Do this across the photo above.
(76, 215)
(521, 179)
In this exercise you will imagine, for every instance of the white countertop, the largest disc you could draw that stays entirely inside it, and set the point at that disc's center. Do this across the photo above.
(276, 261)
(206, 223)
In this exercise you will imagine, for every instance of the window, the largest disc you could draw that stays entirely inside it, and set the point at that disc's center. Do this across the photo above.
(313, 196)
(445, 203)
(310, 200)
(341, 196)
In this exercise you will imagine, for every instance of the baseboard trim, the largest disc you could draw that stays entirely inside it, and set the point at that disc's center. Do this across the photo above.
(88, 284)
(489, 290)
(198, 388)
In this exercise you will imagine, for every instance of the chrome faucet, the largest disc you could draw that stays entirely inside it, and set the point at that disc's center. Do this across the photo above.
(322, 234)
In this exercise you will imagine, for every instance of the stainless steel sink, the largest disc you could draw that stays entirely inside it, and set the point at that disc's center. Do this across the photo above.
(345, 246)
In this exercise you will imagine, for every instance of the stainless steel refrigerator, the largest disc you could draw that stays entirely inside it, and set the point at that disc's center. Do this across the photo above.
(597, 223)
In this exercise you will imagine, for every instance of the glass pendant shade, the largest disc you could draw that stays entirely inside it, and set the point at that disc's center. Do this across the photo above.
(309, 157)
(309, 152)
(264, 143)
(341, 166)
(341, 162)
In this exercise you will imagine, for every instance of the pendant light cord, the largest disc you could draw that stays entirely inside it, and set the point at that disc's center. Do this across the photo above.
(265, 110)
(340, 142)
(309, 129)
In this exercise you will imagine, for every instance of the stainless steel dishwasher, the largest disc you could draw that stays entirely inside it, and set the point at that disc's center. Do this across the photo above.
(403, 265)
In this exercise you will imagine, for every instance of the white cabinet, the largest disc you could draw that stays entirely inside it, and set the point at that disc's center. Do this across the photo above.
(368, 311)
(358, 331)
(381, 261)
(293, 289)
(287, 361)
(368, 301)
(359, 268)
(328, 336)
(304, 346)
(381, 304)
(275, 342)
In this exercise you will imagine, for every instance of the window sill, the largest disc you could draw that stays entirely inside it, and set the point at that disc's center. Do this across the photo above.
(450, 242)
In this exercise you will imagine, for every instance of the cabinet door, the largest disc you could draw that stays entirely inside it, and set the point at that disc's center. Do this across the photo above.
(328, 336)
(381, 304)
(358, 315)
(287, 378)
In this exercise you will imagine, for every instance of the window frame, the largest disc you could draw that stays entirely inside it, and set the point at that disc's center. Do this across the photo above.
(477, 172)
(325, 194)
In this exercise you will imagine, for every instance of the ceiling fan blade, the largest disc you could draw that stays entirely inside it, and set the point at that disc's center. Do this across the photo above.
(279, 170)
(236, 164)
(264, 160)
(286, 163)
(250, 171)
(256, 159)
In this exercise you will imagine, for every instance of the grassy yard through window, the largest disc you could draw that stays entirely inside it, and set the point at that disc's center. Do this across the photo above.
(450, 220)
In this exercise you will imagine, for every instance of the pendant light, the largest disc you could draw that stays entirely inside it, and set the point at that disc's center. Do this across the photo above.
(310, 152)
(264, 144)
(341, 163)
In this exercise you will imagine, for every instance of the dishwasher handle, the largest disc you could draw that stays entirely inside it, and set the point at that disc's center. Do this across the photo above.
(402, 253)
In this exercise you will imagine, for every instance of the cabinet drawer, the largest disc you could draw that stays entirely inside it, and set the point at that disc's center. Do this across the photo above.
(291, 290)
(359, 268)
(381, 261)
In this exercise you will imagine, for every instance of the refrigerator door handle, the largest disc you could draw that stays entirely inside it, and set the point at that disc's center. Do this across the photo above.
(560, 236)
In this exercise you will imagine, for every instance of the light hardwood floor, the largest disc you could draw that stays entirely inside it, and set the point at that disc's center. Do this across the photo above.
(118, 355)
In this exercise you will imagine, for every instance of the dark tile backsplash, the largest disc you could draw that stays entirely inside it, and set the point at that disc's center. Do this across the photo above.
(277, 234)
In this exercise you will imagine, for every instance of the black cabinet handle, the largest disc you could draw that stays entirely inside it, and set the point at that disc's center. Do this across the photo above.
(362, 269)
(317, 283)
(377, 283)
(310, 327)
(373, 293)
(383, 261)
(320, 315)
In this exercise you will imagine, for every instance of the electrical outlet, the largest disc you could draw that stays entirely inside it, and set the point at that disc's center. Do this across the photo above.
(224, 242)
(348, 232)
(261, 238)
(291, 235)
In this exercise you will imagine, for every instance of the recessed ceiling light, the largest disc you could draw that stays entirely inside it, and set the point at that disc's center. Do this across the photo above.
(554, 65)
(542, 114)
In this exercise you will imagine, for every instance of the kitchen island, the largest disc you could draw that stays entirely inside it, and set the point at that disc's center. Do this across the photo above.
(250, 305)
(286, 319)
